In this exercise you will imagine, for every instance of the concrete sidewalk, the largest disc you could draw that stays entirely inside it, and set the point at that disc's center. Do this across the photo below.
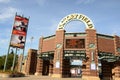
(33, 77)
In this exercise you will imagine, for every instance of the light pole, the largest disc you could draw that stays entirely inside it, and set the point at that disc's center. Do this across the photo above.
(6, 59)
(31, 39)
(14, 59)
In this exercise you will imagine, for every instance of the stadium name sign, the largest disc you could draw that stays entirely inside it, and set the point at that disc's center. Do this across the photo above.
(80, 17)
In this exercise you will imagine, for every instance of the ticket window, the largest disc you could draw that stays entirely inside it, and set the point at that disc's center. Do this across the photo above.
(76, 72)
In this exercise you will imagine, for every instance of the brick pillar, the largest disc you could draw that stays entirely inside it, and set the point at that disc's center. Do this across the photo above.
(31, 61)
(117, 70)
(117, 52)
(51, 68)
(39, 67)
(58, 55)
(91, 54)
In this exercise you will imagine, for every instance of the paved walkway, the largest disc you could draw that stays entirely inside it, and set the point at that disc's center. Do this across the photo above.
(32, 77)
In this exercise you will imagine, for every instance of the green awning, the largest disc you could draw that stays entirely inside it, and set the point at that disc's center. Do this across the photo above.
(46, 55)
(109, 57)
(71, 54)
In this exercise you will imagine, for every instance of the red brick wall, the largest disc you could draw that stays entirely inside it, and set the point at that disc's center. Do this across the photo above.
(106, 45)
(48, 45)
(117, 44)
(117, 41)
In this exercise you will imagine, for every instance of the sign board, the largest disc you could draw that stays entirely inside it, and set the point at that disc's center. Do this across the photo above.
(19, 32)
(57, 64)
(80, 17)
(76, 62)
(93, 66)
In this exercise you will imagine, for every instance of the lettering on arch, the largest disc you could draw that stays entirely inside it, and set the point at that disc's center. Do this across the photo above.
(80, 17)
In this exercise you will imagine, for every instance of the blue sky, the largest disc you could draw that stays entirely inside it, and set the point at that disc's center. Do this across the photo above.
(45, 15)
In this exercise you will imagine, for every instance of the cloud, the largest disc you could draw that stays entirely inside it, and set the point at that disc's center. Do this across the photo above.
(41, 2)
(84, 1)
(7, 13)
(4, 1)
(3, 41)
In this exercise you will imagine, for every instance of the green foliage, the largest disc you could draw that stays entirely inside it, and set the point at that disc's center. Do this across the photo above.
(2, 60)
(9, 61)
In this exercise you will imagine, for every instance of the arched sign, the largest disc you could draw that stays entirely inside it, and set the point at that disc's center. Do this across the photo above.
(88, 23)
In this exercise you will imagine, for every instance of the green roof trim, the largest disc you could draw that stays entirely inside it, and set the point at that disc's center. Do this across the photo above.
(52, 36)
(105, 36)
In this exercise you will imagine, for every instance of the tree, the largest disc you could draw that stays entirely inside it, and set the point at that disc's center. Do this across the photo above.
(1, 62)
(9, 61)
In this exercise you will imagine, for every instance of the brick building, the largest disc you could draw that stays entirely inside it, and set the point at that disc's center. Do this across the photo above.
(31, 62)
(74, 54)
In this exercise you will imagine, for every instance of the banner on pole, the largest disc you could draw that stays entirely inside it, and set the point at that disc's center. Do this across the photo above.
(19, 32)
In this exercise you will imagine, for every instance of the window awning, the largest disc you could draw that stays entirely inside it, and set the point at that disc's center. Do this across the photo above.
(46, 55)
(109, 57)
(71, 54)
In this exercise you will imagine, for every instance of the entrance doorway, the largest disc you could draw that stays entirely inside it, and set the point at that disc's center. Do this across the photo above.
(45, 70)
(76, 68)
(107, 70)
(76, 71)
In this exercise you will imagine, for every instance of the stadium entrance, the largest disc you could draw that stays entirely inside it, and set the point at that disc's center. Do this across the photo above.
(76, 58)
(86, 54)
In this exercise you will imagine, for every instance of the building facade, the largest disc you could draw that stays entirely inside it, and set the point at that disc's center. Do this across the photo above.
(88, 54)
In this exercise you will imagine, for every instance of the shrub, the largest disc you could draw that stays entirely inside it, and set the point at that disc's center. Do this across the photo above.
(17, 74)
(13, 74)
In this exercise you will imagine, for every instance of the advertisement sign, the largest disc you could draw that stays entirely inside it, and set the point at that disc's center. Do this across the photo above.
(19, 32)
(93, 66)
(76, 62)
(57, 64)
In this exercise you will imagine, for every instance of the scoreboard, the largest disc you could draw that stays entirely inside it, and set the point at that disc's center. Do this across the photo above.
(75, 43)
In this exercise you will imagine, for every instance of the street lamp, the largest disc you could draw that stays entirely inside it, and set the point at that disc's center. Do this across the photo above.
(31, 39)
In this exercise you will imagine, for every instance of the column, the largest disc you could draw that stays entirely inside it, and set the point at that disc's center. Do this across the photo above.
(39, 61)
(58, 55)
(91, 72)
(51, 68)
(117, 70)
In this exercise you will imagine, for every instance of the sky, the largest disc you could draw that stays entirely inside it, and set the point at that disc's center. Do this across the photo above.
(45, 16)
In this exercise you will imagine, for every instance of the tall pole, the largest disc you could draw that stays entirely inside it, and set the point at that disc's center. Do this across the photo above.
(9, 47)
(23, 49)
(13, 65)
(31, 41)
(6, 59)
(21, 58)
